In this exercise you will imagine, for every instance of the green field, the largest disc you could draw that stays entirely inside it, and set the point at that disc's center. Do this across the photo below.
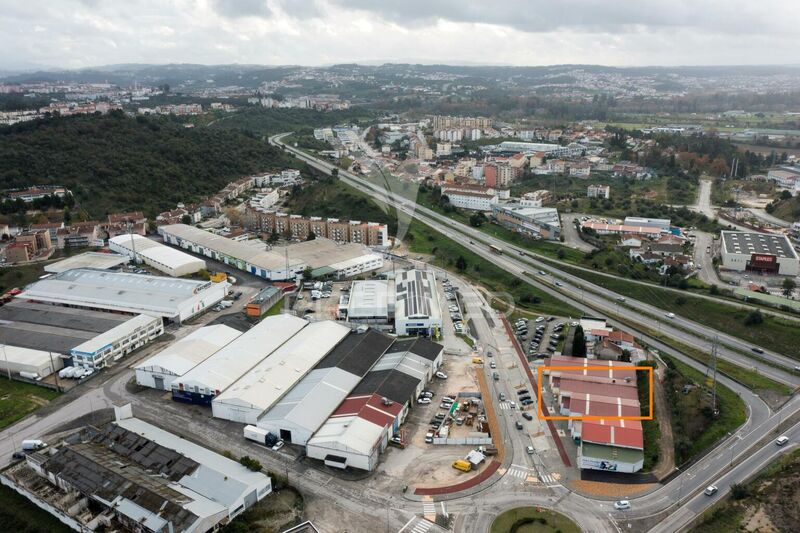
(18, 399)
(694, 427)
(20, 515)
(531, 520)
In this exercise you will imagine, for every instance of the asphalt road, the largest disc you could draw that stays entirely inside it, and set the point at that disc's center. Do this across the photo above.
(760, 420)
(521, 262)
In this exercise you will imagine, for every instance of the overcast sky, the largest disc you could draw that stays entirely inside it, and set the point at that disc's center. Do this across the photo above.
(82, 33)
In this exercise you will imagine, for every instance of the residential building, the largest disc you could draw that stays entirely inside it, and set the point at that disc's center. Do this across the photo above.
(598, 191)
(474, 198)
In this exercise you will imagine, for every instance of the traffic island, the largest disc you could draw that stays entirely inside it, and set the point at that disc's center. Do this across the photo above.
(533, 520)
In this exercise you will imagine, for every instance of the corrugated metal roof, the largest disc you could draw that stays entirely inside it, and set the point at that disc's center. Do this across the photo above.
(230, 363)
(183, 355)
(275, 375)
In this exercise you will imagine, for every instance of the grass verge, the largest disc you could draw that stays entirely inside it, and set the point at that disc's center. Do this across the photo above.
(18, 399)
(531, 520)
(694, 425)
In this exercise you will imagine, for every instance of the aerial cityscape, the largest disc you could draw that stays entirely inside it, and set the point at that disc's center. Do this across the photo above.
(338, 266)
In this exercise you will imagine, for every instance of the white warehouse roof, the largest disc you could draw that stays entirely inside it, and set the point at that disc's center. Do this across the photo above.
(257, 390)
(351, 434)
(225, 367)
(368, 299)
(188, 352)
(99, 260)
(121, 291)
(166, 259)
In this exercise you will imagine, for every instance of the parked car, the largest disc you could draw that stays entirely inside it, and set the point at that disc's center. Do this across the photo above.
(423, 401)
(622, 505)
(529, 449)
(540, 319)
(441, 375)
(523, 391)
(527, 416)
(518, 424)
(17, 456)
(396, 439)
(492, 365)
(277, 446)
(527, 401)
(429, 437)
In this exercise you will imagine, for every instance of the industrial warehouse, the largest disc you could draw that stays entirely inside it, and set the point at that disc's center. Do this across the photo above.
(131, 475)
(766, 253)
(175, 300)
(299, 380)
(323, 256)
(159, 371)
(38, 338)
(410, 301)
(154, 254)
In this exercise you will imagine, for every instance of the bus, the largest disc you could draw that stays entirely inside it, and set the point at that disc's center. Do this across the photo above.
(495, 249)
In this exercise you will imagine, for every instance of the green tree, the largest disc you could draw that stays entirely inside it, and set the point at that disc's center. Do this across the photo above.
(578, 342)
(461, 263)
(754, 318)
(186, 219)
(477, 220)
(789, 285)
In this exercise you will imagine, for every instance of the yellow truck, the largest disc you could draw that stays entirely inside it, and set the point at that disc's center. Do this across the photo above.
(461, 464)
(218, 277)
(477, 360)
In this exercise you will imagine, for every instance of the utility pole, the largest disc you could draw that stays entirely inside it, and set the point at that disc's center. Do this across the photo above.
(711, 375)
(129, 223)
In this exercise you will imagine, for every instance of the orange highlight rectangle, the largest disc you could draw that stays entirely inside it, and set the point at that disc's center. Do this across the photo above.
(592, 417)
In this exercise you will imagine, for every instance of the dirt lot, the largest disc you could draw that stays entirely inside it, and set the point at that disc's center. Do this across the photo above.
(429, 464)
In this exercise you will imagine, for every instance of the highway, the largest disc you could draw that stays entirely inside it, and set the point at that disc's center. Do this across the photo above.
(760, 421)
(575, 291)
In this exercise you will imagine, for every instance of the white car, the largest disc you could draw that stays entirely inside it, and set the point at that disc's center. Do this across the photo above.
(540, 319)
(492, 365)
(710, 490)
(278, 445)
(441, 375)
(783, 439)
(423, 401)
(622, 505)
(670, 315)
(529, 449)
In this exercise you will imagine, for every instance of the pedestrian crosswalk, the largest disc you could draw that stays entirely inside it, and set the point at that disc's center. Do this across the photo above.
(505, 405)
(428, 508)
(518, 472)
(530, 475)
(421, 526)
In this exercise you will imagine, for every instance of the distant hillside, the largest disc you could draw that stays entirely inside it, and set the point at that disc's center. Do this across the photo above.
(114, 162)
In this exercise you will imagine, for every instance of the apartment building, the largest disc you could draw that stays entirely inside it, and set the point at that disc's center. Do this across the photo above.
(300, 227)
(598, 191)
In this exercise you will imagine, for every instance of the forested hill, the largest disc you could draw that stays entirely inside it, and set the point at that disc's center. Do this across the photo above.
(115, 163)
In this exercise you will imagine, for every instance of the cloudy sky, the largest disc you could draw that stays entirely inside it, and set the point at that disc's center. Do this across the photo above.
(82, 33)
